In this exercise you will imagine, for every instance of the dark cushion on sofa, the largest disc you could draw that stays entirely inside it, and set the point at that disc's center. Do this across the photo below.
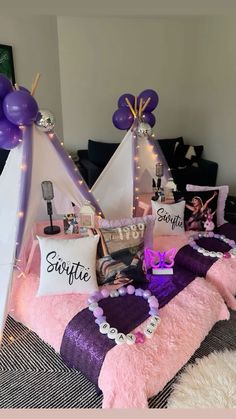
(186, 155)
(100, 153)
(168, 147)
(3, 158)
(204, 174)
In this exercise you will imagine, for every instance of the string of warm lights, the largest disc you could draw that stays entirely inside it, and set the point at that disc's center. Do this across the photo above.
(79, 179)
(137, 166)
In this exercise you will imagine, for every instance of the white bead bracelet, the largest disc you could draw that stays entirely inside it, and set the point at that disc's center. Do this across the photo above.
(112, 332)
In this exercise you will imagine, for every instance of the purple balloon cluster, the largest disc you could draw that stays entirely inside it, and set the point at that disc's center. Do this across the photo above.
(123, 117)
(17, 107)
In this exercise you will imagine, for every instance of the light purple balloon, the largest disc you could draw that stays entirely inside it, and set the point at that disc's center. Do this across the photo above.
(154, 99)
(9, 135)
(149, 118)
(5, 86)
(122, 102)
(123, 118)
(20, 108)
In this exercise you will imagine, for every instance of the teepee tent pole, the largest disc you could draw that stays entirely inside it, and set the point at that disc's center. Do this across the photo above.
(26, 173)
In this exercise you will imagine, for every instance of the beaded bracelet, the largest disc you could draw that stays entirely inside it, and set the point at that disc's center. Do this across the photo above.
(112, 332)
(213, 254)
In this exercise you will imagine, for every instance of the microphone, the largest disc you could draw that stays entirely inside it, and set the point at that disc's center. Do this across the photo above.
(48, 195)
(47, 190)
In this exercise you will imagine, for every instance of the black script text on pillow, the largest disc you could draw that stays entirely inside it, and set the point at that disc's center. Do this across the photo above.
(74, 270)
(174, 220)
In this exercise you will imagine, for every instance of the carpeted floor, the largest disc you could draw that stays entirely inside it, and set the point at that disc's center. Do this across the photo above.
(32, 375)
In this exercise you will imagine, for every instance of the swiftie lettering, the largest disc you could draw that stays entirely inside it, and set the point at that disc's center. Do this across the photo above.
(74, 271)
(174, 220)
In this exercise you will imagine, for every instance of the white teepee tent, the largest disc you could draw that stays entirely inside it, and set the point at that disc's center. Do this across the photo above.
(39, 157)
(128, 174)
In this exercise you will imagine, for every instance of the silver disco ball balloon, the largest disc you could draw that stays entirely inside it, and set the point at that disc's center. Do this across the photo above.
(144, 129)
(45, 120)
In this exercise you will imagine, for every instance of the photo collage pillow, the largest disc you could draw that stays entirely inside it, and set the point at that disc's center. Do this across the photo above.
(122, 259)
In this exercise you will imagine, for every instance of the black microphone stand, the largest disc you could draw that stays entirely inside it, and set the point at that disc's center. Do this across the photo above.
(51, 229)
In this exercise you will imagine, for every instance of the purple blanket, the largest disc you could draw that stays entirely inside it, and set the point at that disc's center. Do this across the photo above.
(84, 347)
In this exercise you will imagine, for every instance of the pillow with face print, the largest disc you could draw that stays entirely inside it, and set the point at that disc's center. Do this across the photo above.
(200, 209)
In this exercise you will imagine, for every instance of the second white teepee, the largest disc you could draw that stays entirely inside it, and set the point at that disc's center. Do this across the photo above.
(128, 175)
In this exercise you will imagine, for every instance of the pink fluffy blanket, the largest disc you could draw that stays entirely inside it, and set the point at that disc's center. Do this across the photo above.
(129, 375)
(222, 273)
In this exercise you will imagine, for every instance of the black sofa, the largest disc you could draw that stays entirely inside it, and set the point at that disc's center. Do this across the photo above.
(92, 161)
(3, 158)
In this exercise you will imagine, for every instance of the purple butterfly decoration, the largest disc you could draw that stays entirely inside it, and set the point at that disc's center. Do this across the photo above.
(157, 259)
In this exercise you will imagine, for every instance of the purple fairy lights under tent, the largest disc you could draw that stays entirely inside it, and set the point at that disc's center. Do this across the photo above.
(112, 332)
(210, 253)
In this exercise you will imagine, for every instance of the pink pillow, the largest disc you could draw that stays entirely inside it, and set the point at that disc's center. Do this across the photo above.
(223, 193)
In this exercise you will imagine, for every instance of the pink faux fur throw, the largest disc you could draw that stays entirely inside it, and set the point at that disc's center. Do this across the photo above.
(222, 273)
(129, 375)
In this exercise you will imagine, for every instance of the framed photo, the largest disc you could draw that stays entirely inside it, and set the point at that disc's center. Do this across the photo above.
(6, 62)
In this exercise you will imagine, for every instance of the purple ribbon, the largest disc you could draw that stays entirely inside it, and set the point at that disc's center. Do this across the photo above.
(84, 347)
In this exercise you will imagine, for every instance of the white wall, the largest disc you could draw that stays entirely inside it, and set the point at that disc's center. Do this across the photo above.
(35, 49)
(189, 61)
(210, 108)
(101, 58)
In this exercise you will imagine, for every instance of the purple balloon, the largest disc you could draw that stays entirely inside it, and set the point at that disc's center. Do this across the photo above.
(122, 101)
(24, 89)
(154, 99)
(123, 118)
(9, 135)
(149, 118)
(5, 86)
(1, 111)
(20, 108)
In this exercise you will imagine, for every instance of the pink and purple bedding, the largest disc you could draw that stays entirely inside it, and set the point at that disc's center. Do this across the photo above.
(123, 382)
(129, 375)
(219, 272)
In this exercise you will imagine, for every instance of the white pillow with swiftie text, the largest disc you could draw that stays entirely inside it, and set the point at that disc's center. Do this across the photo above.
(169, 218)
(68, 266)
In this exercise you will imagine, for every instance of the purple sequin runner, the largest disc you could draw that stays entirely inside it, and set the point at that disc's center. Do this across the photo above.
(84, 347)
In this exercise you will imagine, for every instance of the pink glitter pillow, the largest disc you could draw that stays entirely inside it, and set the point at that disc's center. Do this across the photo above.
(223, 193)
